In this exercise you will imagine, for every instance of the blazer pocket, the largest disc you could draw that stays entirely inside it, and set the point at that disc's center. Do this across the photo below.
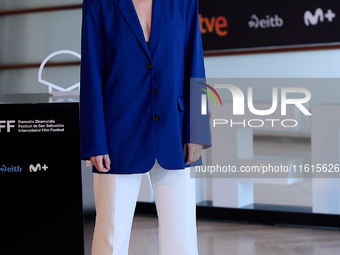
(114, 111)
(180, 104)
(173, 24)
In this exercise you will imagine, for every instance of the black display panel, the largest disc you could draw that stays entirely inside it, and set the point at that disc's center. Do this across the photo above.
(40, 179)
(240, 25)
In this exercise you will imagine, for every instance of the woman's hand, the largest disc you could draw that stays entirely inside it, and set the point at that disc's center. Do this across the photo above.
(192, 152)
(102, 163)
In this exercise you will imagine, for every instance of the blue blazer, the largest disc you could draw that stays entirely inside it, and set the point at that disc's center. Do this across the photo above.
(135, 100)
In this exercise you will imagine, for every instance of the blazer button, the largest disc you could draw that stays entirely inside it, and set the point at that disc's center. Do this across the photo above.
(149, 65)
(154, 91)
(156, 118)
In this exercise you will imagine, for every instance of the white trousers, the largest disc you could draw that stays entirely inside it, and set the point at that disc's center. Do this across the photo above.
(115, 199)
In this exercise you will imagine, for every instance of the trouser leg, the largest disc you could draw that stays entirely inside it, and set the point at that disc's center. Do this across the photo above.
(115, 199)
(176, 207)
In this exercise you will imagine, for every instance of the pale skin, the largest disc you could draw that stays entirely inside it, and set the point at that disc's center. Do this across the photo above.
(144, 13)
(191, 151)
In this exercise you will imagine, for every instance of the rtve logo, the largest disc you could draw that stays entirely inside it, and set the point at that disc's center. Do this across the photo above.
(218, 25)
(269, 21)
(7, 125)
(309, 18)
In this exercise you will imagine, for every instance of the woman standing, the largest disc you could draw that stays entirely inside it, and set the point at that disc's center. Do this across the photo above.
(137, 60)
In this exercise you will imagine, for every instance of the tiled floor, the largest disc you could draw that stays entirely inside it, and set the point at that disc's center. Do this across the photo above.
(230, 238)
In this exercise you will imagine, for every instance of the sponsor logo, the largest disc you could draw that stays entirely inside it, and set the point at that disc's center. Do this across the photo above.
(318, 16)
(10, 169)
(37, 168)
(7, 125)
(218, 25)
(268, 22)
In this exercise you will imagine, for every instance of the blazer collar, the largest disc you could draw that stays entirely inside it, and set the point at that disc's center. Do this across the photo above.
(129, 13)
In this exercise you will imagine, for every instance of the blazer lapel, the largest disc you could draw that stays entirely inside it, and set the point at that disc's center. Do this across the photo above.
(129, 13)
(159, 8)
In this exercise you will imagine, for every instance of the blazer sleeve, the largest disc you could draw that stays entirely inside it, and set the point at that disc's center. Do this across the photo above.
(92, 125)
(197, 125)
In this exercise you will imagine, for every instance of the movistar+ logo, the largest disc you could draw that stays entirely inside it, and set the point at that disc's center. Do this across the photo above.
(319, 15)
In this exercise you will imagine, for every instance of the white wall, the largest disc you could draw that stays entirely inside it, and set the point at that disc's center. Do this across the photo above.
(316, 65)
(20, 4)
(30, 38)
(302, 64)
